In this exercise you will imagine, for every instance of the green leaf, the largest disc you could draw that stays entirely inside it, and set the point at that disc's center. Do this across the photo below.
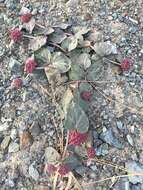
(43, 55)
(84, 59)
(76, 119)
(73, 161)
(70, 43)
(105, 48)
(61, 62)
(96, 71)
(58, 36)
(76, 72)
(77, 98)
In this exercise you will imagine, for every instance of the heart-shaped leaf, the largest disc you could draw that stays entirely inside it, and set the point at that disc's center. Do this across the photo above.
(105, 48)
(70, 43)
(37, 42)
(76, 119)
(76, 72)
(61, 62)
(43, 55)
(29, 26)
(84, 59)
(58, 36)
(96, 71)
(77, 95)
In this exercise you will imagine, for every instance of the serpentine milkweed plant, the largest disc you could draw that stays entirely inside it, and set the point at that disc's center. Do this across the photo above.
(73, 60)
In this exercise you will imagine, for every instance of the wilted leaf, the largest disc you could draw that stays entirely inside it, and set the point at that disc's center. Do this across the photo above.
(61, 62)
(58, 36)
(105, 48)
(52, 75)
(70, 43)
(37, 42)
(43, 55)
(84, 59)
(76, 72)
(66, 100)
(95, 36)
(51, 156)
(80, 29)
(84, 43)
(29, 26)
(76, 119)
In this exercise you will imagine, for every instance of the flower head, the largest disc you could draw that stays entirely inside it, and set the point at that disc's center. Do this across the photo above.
(64, 169)
(126, 64)
(91, 152)
(16, 35)
(30, 65)
(16, 83)
(76, 138)
(25, 17)
(86, 95)
(51, 168)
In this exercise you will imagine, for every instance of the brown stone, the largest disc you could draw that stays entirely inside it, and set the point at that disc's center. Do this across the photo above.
(25, 139)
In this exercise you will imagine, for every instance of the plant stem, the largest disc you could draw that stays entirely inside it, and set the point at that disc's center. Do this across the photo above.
(113, 177)
(66, 145)
(26, 36)
(115, 63)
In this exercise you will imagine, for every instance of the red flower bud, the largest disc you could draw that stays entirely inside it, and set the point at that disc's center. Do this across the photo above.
(16, 83)
(76, 138)
(64, 169)
(25, 17)
(51, 168)
(30, 65)
(16, 35)
(126, 64)
(86, 95)
(91, 153)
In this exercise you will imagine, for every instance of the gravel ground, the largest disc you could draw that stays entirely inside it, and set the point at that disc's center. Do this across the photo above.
(116, 125)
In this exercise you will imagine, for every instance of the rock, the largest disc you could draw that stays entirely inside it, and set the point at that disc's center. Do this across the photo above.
(130, 140)
(72, 3)
(135, 167)
(33, 172)
(35, 129)
(25, 139)
(120, 125)
(5, 142)
(102, 150)
(4, 126)
(136, 187)
(13, 134)
(81, 170)
(10, 183)
(122, 184)
(109, 138)
(13, 147)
